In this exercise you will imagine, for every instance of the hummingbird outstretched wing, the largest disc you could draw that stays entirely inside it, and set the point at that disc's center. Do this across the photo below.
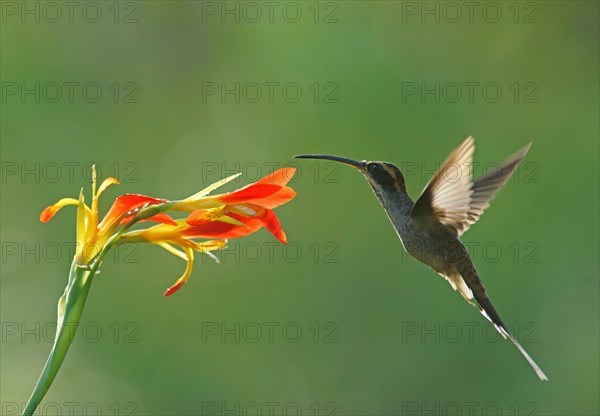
(453, 199)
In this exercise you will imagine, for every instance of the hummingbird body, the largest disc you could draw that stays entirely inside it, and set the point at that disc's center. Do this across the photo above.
(429, 242)
(429, 228)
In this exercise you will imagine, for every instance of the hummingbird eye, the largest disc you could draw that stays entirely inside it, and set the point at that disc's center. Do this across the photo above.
(374, 167)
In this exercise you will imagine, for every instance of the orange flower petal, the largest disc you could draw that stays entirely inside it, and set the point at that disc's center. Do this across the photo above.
(219, 229)
(211, 214)
(160, 217)
(198, 216)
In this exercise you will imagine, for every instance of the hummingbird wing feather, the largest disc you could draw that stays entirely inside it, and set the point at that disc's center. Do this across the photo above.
(447, 196)
(486, 187)
(451, 197)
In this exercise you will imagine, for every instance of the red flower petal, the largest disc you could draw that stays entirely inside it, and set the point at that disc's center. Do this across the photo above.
(280, 177)
(280, 197)
(261, 192)
(125, 203)
(249, 193)
(173, 289)
(162, 217)
(271, 223)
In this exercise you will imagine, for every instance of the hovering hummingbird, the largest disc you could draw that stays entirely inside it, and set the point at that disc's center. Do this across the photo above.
(430, 227)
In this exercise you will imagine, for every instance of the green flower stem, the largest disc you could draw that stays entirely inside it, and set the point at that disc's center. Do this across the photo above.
(70, 308)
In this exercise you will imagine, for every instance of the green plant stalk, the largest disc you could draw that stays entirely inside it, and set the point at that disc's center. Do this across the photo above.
(70, 307)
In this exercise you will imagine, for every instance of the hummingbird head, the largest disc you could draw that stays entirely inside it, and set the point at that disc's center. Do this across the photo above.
(384, 177)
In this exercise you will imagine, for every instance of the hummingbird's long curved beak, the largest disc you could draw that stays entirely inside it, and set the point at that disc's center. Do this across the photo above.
(345, 160)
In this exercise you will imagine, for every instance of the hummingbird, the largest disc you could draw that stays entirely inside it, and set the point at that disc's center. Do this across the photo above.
(430, 228)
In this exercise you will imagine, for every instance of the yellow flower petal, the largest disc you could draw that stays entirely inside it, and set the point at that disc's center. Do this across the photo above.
(230, 220)
(156, 234)
(96, 196)
(81, 230)
(186, 274)
(212, 187)
(51, 211)
(206, 246)
(171, 249)
(105, 184)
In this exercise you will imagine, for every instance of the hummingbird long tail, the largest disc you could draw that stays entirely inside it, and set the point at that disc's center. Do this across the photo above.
(485, 306)
(488, 310)
(532, 363)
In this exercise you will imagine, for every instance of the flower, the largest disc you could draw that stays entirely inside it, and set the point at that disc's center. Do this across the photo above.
(91, 236)
(218, 217)
(224, 216)
(251, 204)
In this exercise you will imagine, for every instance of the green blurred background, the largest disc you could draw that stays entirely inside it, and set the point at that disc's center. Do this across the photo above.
(381, 333)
